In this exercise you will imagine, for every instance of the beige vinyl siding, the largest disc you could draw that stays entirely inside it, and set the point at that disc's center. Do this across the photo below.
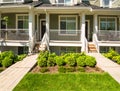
(97, 3)
(116, 3)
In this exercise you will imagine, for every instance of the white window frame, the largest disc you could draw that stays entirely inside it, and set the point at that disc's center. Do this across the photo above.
(17, 15)
(109, 17)
(71, 3)
(76, 19)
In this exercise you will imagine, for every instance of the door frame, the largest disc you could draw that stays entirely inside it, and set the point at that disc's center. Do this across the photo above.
(88, 31)
(41, 26)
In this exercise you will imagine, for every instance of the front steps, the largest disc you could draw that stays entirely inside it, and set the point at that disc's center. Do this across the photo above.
(39, 47)
(91, 48)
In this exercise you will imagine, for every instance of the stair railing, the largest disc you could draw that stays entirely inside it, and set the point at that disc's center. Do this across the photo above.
(95, 41)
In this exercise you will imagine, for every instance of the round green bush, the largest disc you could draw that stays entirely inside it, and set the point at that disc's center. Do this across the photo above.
(116, 59)
(51, 61)
(70, 61)
(7, 62)
(61, 69)
(60, 61)
(42, 62)
(81, 61)
(90, 61)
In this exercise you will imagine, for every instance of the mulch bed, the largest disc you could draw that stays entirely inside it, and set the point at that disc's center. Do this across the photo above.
(54, 69)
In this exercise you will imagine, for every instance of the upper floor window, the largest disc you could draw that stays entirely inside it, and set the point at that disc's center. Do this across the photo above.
(85, 1)
(11, 1)
(106, 3)
(65, 2)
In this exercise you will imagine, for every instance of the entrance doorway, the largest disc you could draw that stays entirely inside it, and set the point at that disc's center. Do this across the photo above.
(43, 28)
(87, 30)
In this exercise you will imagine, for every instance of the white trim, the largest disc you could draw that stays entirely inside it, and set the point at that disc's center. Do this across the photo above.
(88, 31)
(67, 4)
(40, 27)
(76, 19)
(109, 17)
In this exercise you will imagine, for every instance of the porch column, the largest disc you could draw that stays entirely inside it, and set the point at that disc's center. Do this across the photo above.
(95, 24)
(83, 32)
(31, 30)
(47, 29)
(0, 24)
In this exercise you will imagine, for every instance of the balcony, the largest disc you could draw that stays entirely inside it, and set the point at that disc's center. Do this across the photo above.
(63, 35)
(108, 35)
(14, 34)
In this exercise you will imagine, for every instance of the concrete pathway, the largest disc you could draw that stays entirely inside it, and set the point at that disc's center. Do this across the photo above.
(107, 65)
(12, 75)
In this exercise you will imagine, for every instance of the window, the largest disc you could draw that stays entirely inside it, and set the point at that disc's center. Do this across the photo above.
(86, 1)
(66, 2)
(107, 23)
(106, 3)
(22, 22)
(67, 25)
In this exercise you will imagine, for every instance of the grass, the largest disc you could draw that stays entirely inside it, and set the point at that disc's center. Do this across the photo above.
(68, 82)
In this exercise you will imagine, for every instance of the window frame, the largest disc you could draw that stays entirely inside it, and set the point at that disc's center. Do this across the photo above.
(71, 2)
(26, 29)
(108, 18)
(76, 22)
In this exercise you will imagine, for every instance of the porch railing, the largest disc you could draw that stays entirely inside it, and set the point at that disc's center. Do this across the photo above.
(62, 35)
(105, 35)
(14, 34)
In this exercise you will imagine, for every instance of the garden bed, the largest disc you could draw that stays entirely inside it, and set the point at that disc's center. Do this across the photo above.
(52, 70)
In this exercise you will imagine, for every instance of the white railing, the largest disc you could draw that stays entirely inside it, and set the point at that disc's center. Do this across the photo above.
(14, 34)
(95, 41)
(70, 35)
(45, 41)
(86, 45)
(108, 35)
(11, 1)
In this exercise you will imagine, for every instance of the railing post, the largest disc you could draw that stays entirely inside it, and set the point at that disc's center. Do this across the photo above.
(83, 32)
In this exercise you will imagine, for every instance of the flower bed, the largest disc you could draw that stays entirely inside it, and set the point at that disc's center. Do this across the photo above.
(69, 62)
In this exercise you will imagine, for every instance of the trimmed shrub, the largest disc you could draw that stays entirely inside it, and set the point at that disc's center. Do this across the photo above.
(70, 61)
(90, 61)
(61, 69)
(70, 69)
(60, 61)
(80, 69)
(7, 62)
(81, 61)
(42, 62)
(51, 61)
(19, 57)
(44, 69)
(116, 59)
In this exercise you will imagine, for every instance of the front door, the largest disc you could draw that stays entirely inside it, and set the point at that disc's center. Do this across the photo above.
(87, 31)
(43, 28)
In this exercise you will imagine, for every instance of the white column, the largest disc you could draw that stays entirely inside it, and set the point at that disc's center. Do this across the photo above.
(38, 33)
(31, 30)
(47, 29)
(0, 24)
(95, 24)
(83, 32)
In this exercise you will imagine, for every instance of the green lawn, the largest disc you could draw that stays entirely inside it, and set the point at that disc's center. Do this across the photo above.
(68, 82)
